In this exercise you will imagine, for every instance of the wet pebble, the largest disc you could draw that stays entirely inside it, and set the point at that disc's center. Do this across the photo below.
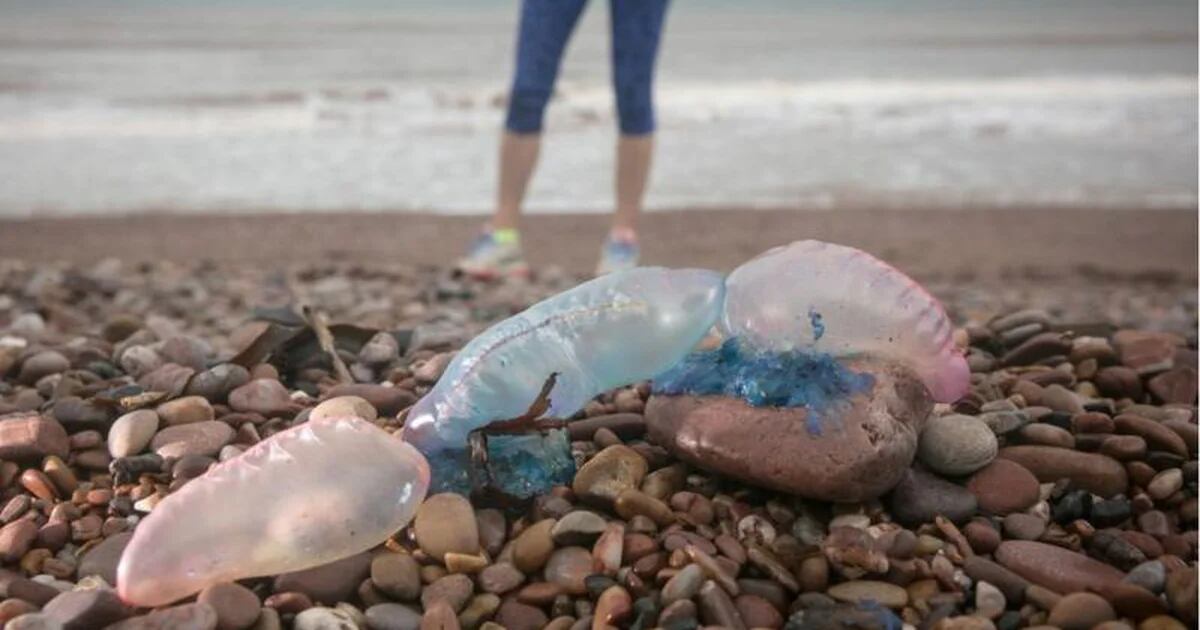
(858, 591)
(1096, 473)
(328, 583)
(185, 410)
(1055, 568)
(321, 618)
(717, 608)
(1080, 611)
(446, 523)
(237, 607)
(131, 433)
(198, 438)
(568, 567)
(1004, 486)
(342, 406)
(920, 496)
(263, 396)
(454, 589)
(533, 546)
(391, 616)
(609, 473)
(683, 585)
(513, 615)
(500, 578)
(397, 575)
(956, 444)
(580, 527)
(197, 616)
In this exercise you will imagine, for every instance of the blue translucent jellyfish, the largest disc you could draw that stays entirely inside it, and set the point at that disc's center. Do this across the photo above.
(615, 330)
(331, 488)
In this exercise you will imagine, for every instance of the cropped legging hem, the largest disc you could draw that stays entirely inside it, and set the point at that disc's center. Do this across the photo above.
(545, 28)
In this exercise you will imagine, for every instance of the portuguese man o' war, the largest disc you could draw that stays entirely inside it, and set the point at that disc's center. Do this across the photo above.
(327, 489)
(831, 299)
(611, 331)
(306, 496)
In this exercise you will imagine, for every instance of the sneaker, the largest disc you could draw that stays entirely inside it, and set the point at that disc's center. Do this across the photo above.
(617, 254)
(494, 254)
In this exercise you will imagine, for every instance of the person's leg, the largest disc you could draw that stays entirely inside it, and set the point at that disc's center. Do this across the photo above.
(636, 32)
(518, 157)
(545, 26)
(634, 155)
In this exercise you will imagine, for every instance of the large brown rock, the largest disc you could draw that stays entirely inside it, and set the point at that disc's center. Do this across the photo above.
(865, 447)
(1098, 474)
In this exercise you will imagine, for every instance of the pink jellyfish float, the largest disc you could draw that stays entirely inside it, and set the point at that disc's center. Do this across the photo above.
(831, 299)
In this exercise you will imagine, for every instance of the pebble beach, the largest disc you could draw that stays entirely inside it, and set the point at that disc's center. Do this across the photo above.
(1060, 493)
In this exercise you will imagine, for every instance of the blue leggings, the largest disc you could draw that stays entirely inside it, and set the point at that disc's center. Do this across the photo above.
(546, 25)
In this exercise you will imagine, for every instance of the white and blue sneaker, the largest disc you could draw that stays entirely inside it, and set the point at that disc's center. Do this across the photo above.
(620, 252)
(494, 254)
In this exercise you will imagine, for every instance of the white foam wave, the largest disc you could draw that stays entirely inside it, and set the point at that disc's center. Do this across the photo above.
(1071, 105)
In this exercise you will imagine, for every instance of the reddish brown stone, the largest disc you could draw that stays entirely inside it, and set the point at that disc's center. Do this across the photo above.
(1176, 385)
(1055, 568)
(866, 449)
(1119, 381)
(1155, 433)
(29, 436)
(1095, 473)
(1145, 351)
(1003, 487)
(1092, 422)
(388, 401)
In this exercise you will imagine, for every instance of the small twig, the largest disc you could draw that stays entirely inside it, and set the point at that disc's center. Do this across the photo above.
(527, 421)
(316, 321)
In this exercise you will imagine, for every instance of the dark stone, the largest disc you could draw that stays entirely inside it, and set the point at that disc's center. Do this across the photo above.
(216, 382)
(1111, 512)
(83, 610)
(1060, 419)
(170, 378)
(77, 414)
(868, 616)
(328, 583)
(921, 496)
(1072, 506)
(102, 559)
(627, 426)
(195, 616)
(597, 584)
(1010, 620)
(1036, 348)
(1012, 585)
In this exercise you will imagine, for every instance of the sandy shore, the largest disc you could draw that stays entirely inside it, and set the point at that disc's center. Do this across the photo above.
(932, 245)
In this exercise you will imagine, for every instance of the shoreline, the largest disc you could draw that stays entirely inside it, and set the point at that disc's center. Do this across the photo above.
(931, 244)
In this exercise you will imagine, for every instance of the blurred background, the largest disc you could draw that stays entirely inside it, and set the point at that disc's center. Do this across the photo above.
(249, 105)
(1036, 145)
